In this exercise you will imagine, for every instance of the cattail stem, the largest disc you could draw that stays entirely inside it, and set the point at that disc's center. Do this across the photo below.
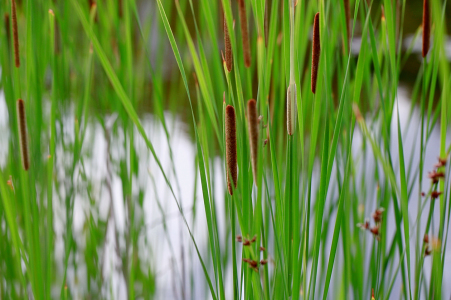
(23, 134)
(230, 136)
(426, 27)
(291, 108)
(316, 50)
(252, 118)
(265, 23)
(228, 47)
(244, 33)
(15, 33)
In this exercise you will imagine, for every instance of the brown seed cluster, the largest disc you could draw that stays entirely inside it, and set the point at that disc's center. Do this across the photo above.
(253, 264)
(228, 47)
(377, 217)
(15, 33)
(244, 33)
(252, 118)
(436, 175)
(316, 50)
(426, 27)
(23, 134)
(230, 136)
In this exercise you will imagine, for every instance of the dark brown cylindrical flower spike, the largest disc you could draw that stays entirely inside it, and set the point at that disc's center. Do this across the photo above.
(119, 4)
(228, 47)
(244, 33)
(426, 27)
(252, 119)
(316, 49)
(15, 33)
(23, 134)
(348, 17)
(230, 136)
(7, 28)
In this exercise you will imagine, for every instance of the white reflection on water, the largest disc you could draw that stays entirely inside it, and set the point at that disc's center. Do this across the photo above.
(169, 252)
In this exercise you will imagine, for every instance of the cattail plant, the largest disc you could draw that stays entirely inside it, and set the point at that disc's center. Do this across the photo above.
(291, 92)
(230, 137)
(316, 50)
(244, 33)
(348, 18)
(252, 119)
(228, 47)
(7, 28)
(15, 33)
(23, 134)
(120, 9)
(426, 27)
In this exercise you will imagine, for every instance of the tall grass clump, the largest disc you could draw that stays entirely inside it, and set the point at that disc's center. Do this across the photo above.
(141, 169)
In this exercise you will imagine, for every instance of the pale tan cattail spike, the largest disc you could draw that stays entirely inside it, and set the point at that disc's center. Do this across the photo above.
(426, 27)
(15, 33)
(252, 118)
(316, 50)
(228, 47)
(230, 136)
(21, 119)
(244, 33)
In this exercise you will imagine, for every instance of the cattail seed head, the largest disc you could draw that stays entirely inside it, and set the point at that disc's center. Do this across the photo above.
(119, 4)
(15, 33)
(252, 119)
(228, 47)
(7, 28)
(316, 50)
(426, 27)
(348, 17)
(23, 134)
(230, 136)
(244, 33)
(291, 108)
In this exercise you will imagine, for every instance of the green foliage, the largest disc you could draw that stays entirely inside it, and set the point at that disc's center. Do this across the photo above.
(346, 161)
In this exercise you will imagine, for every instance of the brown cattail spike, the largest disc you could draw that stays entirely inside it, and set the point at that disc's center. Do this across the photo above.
(228, 47)
(7, 29)
(252, 119)
(316, 49)
(426, 27)
(348, 17)
(23, 134)
(120, 9)
(244, 33)
(230, 136)
(15, 33)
